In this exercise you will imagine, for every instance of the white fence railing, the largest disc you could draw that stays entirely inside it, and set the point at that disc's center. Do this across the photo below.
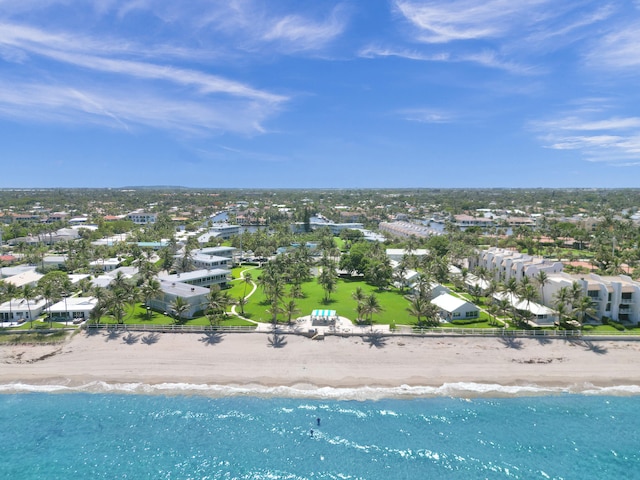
(172, 328)
(407, 331)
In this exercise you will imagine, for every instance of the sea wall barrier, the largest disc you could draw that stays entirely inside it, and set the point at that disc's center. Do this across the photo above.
(363, 331)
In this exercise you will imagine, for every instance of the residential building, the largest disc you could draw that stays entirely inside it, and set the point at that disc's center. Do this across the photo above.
(454, 308)
(73, 309)
(141, 217)
(406, 229)
(615, 297)
(29, 277)
(105, 264)
(537, 314)
(20, 310)
(228, 252)
(504, 264)
(195, 296)
(202, 277)
(397, 254)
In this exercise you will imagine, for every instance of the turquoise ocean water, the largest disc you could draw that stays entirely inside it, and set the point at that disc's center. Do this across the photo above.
(114, 435)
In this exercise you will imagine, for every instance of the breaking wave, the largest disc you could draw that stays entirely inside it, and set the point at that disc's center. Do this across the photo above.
(455, 390)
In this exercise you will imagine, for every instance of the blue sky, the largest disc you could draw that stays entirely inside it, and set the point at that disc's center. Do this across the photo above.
(299, 94)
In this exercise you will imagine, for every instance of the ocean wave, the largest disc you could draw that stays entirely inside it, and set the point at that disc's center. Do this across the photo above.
(455, 390)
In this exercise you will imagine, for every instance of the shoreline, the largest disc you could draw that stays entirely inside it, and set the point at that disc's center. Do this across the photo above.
(336, 368)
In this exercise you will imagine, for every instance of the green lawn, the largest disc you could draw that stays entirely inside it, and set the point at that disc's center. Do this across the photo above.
(393, 303)
(138, 316)
(608, 329)
(20, 338)
(40, 324)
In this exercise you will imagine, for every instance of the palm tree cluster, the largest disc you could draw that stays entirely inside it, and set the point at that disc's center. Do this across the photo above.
(217, 304)
(420, 306)
(286, 269)
(572, 305)
(367, 305)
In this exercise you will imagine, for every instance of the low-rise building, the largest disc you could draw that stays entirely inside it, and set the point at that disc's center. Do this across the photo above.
(72, 309)
(202, 277)
(504, 264)
(454, 308)
(19, 310)
(193, 295)
(140, 217)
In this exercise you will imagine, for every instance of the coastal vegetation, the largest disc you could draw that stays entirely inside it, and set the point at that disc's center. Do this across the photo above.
(300, 269)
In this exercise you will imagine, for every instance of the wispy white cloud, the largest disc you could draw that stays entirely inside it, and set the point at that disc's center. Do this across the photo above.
(599, 137)
(207, 96)
(427, 115)
(442, 22)
(485, 58)
(129, 109)
(297, 33)
(501, 34)
(373, 51)
(617, 49)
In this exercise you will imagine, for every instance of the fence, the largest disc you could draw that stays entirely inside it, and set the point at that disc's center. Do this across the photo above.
(407, 331)
(172, 328)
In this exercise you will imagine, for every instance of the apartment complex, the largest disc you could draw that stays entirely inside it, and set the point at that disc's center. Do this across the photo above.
(503, 264)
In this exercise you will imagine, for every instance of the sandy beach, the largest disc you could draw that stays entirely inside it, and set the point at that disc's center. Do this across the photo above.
(254, 359)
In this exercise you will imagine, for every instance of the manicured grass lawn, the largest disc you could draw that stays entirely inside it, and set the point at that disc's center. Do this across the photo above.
(238, 287)
(40, 324)
(229, 321)
(393, 303)
(19, 338)
(138, 316)
(609, 328)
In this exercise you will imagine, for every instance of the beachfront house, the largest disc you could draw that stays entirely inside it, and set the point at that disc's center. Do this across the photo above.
(202, 278)
(72, 309)
(195, 296)
(453, 308)
(20, 310)
(536, 314)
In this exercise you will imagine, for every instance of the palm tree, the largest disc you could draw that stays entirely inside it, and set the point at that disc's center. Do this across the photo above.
(98, 312)
(543, 279)
(563, 311)
(358, 295)
(583, 309)
(150, 290)
(563, 296)
(576, 293)
(528, 293)
(290, 309)
(48, 292)
(242, 301)
(327, 280)
(179, 306)
(372, 306)
(116, 302)
(28, 293)
(418, 308)
(511, 288)
(247, 278)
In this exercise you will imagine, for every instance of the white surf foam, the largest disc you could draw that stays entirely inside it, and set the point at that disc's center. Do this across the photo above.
(456, 390)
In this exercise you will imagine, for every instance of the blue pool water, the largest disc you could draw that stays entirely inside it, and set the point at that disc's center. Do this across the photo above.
(89, 435)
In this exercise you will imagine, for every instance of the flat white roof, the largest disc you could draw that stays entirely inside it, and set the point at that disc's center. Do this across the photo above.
(180, 289)
(194, 275)
(24, 278)
(78, 304)
(20, 304)
(449, 303)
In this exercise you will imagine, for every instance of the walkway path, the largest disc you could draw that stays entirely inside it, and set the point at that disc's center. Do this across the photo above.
(254, 287)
